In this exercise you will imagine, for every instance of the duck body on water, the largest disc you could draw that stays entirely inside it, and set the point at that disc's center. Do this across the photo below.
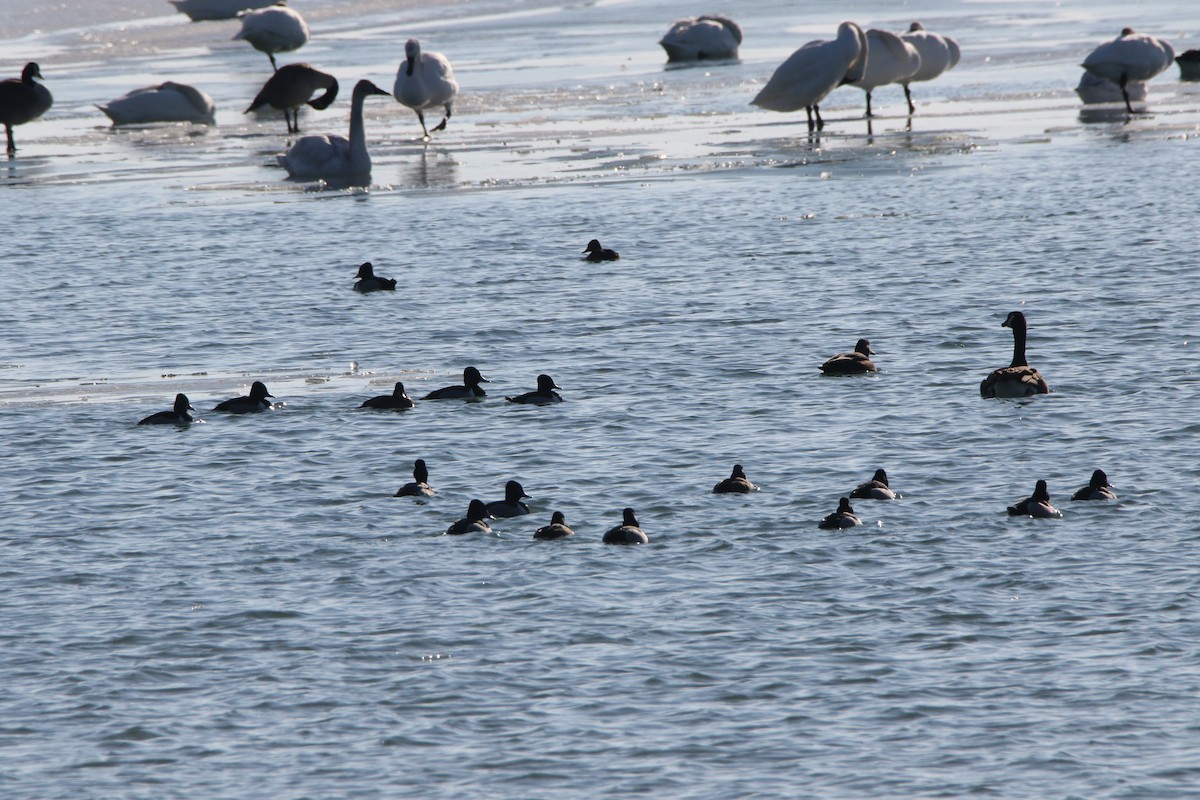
(255, 401)
(597, 252)
(397, 400)
(875, 489)
(736, 483)
(176, 416)
(855, 362)
(1036, 505)
(1098, 488)
(628, 532)
(470, 389)
(419, 485)
(557, 529)
(844, 517)
(511, 505)
(368, 281)
(474, 522)
(23, 100)
(542, 396)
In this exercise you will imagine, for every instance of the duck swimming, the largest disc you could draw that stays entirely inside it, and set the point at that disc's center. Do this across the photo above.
(595, 252)
(736, 483)
(396, 400)
(419, 486)
(469, 390)
(1036, 505)
(1097, 489)
(255, 401)
(176, 416)
(543, 395)
(628, 532)
(368, 281)
(511, 505)
(1018, 379)
(557, 529)
(875, 489)
(844, 517)
(473, 522)
(855, 363)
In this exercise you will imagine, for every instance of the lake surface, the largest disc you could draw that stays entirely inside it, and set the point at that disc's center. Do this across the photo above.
(241, 609)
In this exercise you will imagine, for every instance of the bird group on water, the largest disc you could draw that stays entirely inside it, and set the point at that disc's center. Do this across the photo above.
(1115, 71)
(1017, 380)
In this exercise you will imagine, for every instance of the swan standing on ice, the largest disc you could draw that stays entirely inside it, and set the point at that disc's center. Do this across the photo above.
(425, 80)
(198, 10)
(277, 29)
(815, 70)
(332, 156)
(167, 102)
(1130, 57)
(291, 87)
(705, 37)
(22, 100)
(890, 59)
(938, 54)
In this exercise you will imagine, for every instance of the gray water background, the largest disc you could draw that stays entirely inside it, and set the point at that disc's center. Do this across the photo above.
(241, 609)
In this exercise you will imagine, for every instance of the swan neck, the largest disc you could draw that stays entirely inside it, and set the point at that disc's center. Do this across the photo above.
(358, 136)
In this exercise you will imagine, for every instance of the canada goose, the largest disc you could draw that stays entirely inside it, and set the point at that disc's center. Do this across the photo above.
(292, 86)
(22, 100)
(1018, 379)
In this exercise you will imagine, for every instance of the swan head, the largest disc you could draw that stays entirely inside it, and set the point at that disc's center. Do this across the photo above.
(852, 36)
(365, 87)
(916, 26)
(412, 54)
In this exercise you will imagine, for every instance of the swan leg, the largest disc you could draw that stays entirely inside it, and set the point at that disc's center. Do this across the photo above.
(820, 122)
(12, 146)
(272, 57)
(908, 96)
(869, 114)
(421, 117)
(441, 126)
(1125, 93)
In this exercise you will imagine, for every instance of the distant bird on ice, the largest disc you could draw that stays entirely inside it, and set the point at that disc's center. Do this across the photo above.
(272, 30)
(938, 54)
(815, 70)
(330, 155)
(1129, 57)
(890, 59)
(199, 10)
(166, 102)
(292, 86)
(425, 80)
(700, 38)
(22, 100)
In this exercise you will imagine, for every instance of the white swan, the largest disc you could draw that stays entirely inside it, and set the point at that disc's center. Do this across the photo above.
(425, 80)
(331, 156)
(198, 10)
(938, 54)
(167, 102)
(705, 37)
(273, 30)
(1129, 57)
(815, 70)
(1092, 90)
(22, 100)
(292, 86)
(890, 59)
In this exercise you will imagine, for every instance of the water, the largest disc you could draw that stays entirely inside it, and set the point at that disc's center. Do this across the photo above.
(241, 609)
